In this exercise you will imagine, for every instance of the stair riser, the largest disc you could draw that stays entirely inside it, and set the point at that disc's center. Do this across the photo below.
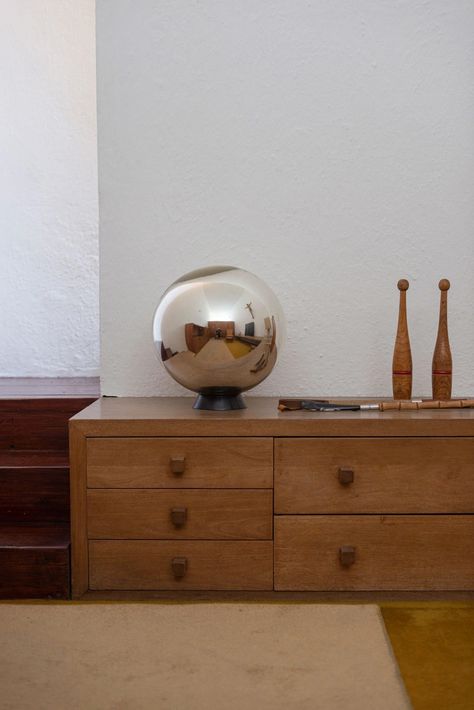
(34, 574)
(37, 424)
(34, 495)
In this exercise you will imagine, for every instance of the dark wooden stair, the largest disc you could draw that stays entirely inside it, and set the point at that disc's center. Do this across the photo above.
(34, 562)
(34, 496)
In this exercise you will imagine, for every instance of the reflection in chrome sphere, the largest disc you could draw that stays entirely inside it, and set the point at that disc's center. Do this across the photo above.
(218, 332)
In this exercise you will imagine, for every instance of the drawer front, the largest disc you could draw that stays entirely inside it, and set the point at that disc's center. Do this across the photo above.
(393, 552)
(392, 475)
(177, 514)
(211, 565)
(200, 462)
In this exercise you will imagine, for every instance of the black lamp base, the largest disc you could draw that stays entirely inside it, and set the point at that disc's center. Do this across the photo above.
(219, 399)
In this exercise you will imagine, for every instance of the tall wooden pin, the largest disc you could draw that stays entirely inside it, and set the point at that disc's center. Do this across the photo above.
(402, 364)
(442, 369)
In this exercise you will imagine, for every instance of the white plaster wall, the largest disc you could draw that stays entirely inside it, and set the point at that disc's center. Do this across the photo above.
(49, 314)
(328, 146)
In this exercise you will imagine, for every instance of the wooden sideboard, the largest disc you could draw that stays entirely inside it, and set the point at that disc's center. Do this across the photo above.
(167, 498)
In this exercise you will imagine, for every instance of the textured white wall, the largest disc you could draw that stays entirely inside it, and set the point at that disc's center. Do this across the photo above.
(48, 189)
(326, 146)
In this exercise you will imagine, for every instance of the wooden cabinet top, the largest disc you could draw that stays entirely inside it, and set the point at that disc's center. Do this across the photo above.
(174, 416)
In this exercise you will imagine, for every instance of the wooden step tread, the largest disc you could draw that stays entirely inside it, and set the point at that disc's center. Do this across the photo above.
(40, 387)
(12, 458)
(35, 536)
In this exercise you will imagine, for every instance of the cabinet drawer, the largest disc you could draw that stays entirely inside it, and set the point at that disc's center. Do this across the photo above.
(410, 552)
(176, 514)
(200, 462)
(148, 564)
(391, 475)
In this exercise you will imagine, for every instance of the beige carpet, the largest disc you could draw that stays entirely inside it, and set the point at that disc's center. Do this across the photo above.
(196, 657)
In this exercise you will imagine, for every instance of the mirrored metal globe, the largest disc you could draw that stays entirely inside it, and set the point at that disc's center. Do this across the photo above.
(218, 331)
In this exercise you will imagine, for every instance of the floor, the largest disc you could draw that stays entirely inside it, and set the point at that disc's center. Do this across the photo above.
(201, 656)
(431, 644)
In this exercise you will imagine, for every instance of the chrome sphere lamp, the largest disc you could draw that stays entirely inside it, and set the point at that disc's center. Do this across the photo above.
(218, 331)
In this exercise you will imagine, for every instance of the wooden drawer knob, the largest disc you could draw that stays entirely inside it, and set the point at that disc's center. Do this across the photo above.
(178, 516)
(345, 476)
(177, 464)
(179, 566)
(347, 555)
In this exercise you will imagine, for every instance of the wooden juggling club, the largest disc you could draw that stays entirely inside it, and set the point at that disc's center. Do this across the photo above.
(402, 364)
(442, 368)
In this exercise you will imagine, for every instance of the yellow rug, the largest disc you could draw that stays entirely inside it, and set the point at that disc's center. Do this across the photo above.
(196, 657)
(237, 348)
(434, 646)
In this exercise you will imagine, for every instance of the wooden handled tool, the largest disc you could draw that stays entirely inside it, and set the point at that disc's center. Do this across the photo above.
(402, 374)
(442, 368)
(318, 405)
(427, 404)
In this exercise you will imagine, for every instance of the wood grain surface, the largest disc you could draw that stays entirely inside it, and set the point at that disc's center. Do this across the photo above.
(406, 552)
(210, 514)
(396, 467)
(390, 475)
(146, 564)
(402, 374)
(347, 597)
(78, 491)
(442, 365)
(174, 416)
(34, 485)
(27, 424)
(34, 561)
(36, 494)
(209, 463)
